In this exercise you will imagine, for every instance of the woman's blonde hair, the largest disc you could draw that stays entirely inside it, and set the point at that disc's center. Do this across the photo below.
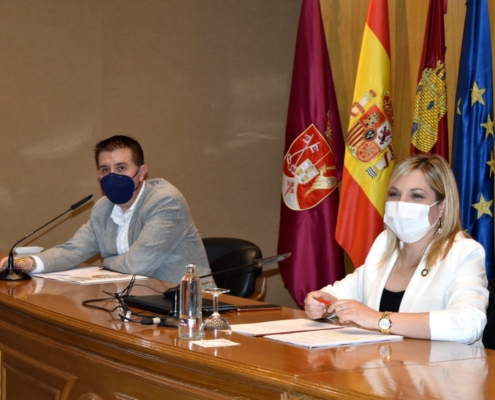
(440, 178)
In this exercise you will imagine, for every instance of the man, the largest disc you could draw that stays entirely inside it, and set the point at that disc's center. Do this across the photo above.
(140, 227)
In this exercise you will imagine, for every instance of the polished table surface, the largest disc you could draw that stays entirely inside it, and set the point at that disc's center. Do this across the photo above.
(48, 337)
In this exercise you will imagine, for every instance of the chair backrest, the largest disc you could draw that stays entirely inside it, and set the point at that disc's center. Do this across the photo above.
(489, 332)
(225, 254)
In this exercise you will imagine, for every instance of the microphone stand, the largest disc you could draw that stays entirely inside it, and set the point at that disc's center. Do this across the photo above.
(12, 274)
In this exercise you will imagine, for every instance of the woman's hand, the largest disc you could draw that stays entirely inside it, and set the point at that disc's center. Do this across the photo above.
(23, 264)
(353, 311)
(315, 308)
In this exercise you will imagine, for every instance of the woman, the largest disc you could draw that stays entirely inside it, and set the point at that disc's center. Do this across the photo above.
(423, 277)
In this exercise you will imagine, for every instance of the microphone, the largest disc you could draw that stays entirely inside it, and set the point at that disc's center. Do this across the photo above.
(11, 274)
(75, 206)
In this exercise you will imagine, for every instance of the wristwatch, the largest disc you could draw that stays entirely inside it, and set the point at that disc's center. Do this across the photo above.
(385, 323)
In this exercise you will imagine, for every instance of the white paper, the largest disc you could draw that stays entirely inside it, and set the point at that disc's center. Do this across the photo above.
(339, 337)
(28, 250)
(88, 275)
(281, 326)
(215, 343)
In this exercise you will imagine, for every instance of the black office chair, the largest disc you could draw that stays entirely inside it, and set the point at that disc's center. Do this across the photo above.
(224, 254)
(489, 332)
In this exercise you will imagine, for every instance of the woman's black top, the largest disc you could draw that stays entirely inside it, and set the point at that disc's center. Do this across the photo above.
(391, 300)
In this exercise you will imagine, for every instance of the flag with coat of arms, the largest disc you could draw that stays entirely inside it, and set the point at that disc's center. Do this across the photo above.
(312, 165)
(430, 129)
(369, 155)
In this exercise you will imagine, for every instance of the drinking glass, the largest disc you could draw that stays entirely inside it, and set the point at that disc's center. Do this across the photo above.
(215, 326)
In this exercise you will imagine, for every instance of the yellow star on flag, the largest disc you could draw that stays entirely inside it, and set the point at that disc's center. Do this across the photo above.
(483, 207)
(477, 94)
(459, 106)
(488, 125)
(491, 164)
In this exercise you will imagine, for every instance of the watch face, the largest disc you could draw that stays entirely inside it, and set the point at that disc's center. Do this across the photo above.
(384, 323)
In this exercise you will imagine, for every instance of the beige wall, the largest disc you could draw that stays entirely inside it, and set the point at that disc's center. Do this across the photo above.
(203, 85)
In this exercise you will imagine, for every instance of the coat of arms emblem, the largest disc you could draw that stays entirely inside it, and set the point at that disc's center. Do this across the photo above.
(310, 174)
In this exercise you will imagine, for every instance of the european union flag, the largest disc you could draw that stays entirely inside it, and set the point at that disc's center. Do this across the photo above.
(473, 159)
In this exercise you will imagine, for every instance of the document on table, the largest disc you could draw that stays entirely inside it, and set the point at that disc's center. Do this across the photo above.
(332, 338)
(88, 275)
(215, 343)
(281, 326)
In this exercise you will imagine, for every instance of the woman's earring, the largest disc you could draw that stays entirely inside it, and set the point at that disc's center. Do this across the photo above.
(440, 226)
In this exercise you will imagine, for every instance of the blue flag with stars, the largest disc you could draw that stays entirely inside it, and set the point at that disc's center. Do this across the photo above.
(473, 160)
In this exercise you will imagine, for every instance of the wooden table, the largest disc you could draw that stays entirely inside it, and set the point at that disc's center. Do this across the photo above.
(52, 347)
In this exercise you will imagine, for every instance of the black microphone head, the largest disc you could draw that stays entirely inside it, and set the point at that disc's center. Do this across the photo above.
(81, 202)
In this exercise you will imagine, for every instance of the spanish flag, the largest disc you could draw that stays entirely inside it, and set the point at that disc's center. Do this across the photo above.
(369, 153)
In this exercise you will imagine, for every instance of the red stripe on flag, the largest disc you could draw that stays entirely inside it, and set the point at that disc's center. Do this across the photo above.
(377, 20)
(356, 242)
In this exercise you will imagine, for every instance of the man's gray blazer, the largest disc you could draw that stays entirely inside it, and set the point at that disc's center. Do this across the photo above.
(162, 238)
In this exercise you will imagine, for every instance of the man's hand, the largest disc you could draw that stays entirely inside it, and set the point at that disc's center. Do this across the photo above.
(25, 264)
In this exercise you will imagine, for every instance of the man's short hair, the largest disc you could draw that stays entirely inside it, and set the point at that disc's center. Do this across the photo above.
(121, 142)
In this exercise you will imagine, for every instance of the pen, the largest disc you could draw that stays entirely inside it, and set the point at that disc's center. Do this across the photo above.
(324, 301)
(17, 260)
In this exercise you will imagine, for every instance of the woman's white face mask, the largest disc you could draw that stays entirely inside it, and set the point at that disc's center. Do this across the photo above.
(409, 221)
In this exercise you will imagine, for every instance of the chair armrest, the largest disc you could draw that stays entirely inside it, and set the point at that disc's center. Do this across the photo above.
(260, 289)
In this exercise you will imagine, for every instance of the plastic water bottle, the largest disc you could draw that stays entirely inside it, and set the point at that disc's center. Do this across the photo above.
(190, 304)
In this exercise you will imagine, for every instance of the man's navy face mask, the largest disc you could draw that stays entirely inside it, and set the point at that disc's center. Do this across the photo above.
(118, 188)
